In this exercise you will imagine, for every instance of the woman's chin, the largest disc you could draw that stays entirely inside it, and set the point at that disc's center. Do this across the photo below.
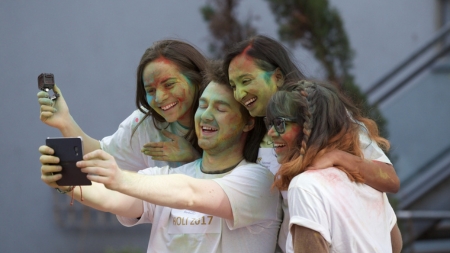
(170, 118)
(280, 158)
(256, 111)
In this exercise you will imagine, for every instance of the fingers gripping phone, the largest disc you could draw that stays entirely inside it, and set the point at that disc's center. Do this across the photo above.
(46, 82)
(70, 151)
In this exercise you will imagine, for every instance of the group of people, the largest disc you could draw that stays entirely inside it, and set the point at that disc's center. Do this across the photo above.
(239, 155)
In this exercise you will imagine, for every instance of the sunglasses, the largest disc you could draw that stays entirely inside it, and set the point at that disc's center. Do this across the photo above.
(279, 124)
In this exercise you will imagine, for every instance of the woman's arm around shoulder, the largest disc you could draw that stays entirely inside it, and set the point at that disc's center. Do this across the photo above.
(379, 175)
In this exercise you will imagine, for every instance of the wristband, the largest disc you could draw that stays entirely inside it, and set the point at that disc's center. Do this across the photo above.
(64, 192)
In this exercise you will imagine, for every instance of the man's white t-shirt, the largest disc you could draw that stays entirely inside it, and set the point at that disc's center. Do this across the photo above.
(127, 150)
(256, 211)
(267, 158)
(351, 217)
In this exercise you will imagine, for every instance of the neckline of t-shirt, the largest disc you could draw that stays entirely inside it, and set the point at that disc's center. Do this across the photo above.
(241, 163)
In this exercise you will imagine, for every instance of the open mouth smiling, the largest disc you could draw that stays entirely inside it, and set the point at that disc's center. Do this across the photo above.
(278, 146)
(209, 129)
(250, 101)
(167, 107)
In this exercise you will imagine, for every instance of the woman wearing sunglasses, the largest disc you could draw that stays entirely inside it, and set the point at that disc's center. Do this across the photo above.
(330, 209)
(257, 68)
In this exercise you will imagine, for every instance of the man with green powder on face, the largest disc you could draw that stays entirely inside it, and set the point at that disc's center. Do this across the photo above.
(222, 202)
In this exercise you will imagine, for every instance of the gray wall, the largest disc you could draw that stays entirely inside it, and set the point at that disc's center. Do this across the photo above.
(93, 48)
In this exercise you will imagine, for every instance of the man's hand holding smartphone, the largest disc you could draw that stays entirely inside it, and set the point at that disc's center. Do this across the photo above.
(102, 168)
(68, 152)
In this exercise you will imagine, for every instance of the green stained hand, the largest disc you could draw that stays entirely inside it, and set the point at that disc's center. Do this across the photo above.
(177, 150)
(53, 113)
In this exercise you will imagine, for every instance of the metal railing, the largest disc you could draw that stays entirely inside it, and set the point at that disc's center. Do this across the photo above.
(392, 89)
(438, 168)
(433, 173)
(410, 216)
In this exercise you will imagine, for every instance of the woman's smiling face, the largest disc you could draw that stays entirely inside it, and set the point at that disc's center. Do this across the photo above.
(169, 92)
(284, 143)
(253, 87)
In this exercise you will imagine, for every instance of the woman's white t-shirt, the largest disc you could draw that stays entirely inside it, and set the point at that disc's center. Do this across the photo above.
(267, 158)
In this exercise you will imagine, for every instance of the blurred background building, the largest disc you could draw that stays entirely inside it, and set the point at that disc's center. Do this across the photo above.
(401, 64)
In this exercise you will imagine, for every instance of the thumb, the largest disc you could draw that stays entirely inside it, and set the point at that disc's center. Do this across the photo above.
(98, 154)
(57, 90)
(170, 135)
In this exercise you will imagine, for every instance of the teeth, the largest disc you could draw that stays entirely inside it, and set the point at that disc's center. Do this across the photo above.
(209, 129)
(167, 107)
(250, 101)
(278, 145)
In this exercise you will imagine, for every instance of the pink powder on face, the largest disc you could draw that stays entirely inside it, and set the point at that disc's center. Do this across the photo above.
(184, 96)
(247, 63)
(161, 75)
(136, 120)
(291, 136)
(163, 60)
(245, 52)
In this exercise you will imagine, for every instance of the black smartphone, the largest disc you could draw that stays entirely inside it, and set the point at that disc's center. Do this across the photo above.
(70, 151)
(46, 82)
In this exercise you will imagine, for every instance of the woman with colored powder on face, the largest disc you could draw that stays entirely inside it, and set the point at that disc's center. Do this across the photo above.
(257, 68)
(329, 211)
(169, 78)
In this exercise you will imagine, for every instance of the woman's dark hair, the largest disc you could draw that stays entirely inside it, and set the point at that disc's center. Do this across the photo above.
(191, 64)
(214, 73)
(321, 110)
(268, 54)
